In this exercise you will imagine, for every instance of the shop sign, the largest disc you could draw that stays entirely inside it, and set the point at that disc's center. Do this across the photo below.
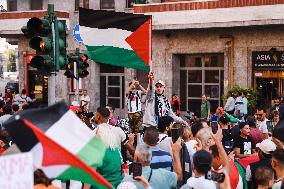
(266, 59)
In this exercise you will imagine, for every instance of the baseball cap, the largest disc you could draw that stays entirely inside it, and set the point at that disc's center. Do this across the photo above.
(266, 146)
(160, 82)
(126, 185)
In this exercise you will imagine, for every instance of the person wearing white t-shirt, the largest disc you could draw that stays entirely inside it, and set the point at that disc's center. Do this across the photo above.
(165, 124)
(261, 122)
(245, 104)
(85, 100)
(230, 104)
(202, 161)
(134, 94)
(22, 98)
(189, 141)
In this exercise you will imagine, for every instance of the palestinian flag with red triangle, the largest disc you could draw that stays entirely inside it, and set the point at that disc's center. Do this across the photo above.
(117, 38)
(61, 144)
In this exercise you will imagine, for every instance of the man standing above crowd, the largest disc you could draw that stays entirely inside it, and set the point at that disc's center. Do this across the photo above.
(85, 101)
(157, 105)
(134, 94)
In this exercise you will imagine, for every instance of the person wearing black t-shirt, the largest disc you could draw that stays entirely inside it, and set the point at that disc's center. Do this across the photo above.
(227, 139)
(243, 145)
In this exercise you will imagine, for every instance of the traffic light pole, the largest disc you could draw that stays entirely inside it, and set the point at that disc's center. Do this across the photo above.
(52, 77)
(77, 77)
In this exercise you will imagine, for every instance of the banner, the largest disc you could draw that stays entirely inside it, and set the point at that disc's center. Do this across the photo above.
(16, 171)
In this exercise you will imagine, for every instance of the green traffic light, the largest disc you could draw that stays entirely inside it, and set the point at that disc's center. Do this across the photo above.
(60, 44)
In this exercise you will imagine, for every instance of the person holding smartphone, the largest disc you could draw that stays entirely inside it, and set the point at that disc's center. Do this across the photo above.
(202, 161)
(133, 95)
(157, 178)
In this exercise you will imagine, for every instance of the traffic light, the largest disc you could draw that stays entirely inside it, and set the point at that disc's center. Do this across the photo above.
(60, 44)
(48, 37)
(83, 65)
(69, 73)
(39, 31)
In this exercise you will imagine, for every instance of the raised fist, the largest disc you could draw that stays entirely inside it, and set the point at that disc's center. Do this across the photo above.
(151, 75)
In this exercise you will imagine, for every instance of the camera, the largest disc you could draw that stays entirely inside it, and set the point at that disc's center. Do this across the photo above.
(214, 176)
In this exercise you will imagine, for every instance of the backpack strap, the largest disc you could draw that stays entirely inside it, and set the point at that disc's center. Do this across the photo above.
(150, 176)
(163, 138)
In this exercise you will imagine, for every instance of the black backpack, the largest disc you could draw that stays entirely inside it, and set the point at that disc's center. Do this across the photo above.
(185, 165)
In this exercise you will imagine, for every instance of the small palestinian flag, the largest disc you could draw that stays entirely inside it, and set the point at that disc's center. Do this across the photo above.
(61, 144)
(117, 38)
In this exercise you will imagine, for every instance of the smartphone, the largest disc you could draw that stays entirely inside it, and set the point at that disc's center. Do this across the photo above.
(214, 126)
(217, 177)
(136, 169)
(175, 134)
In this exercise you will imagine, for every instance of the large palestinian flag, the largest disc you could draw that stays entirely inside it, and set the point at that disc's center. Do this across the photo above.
(61, 144)
(117, 38)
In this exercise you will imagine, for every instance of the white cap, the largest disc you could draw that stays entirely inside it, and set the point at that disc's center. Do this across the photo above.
(160, 82)
(126, 185)
(266, 146)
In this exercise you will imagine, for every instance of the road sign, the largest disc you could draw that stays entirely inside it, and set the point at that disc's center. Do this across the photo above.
(76, 33)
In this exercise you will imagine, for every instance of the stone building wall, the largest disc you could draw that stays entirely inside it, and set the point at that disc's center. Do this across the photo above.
(166, 44)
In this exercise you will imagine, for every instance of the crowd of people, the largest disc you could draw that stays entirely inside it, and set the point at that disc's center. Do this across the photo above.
(156, 148)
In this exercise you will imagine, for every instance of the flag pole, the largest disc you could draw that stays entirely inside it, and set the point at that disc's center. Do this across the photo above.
(150, 56)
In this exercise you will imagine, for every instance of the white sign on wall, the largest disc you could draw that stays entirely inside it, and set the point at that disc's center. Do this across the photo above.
(16, 171)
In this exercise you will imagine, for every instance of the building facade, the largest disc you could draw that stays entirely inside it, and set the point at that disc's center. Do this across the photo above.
(210, 46)
(198, 47)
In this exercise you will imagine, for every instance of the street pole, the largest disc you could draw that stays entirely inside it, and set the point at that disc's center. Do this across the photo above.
(51, 88)
(77, 76)
(52, 77)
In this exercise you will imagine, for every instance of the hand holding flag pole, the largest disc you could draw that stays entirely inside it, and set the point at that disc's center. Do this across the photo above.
(151, 78)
